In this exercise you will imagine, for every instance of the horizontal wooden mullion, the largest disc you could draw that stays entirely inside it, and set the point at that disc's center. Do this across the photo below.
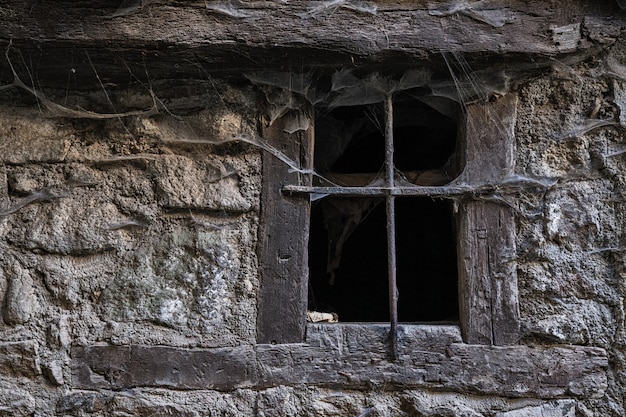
(377, 191)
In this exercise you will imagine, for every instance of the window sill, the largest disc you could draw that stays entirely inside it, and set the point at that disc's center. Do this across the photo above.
(347, 356)
(374, 337)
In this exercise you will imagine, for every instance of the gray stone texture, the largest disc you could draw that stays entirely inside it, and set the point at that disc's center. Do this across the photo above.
(142, 231)
(20, 358)
(570, 236)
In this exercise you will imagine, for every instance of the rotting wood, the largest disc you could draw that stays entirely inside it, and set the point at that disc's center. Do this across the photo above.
(417, 190)
(283, 240)
(487, 274)
(488, 294)
(350, 356)
(119, 367)
(57, 37)
(489, 141)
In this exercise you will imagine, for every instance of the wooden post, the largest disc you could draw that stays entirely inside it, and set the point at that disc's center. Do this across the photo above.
(488, 294)
(283, 239)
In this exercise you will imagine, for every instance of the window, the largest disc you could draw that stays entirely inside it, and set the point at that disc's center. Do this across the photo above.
(382, 245)
(478, 242)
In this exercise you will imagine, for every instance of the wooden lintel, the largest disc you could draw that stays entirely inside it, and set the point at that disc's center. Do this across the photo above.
(175, 40)
(346, 356)
(505, 25)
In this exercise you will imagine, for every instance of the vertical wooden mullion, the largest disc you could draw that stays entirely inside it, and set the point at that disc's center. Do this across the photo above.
(391, 228)
(488, 295)
(283, 239)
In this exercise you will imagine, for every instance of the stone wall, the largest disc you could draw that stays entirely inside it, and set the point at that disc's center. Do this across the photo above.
(141, 231)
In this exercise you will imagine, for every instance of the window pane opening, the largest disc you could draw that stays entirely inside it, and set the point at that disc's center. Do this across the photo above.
(357, 289)
(349, 142)
(425, 140)
(352, 272)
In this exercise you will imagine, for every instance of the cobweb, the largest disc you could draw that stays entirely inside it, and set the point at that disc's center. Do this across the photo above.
(286, 93)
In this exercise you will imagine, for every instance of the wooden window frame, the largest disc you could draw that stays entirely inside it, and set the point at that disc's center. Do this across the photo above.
(350, 356)
(488, 295)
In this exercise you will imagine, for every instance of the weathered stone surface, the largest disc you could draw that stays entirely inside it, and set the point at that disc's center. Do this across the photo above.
(187, 183)
(577, 215)
(190, 280)
(570, 234)
(160, 402)
(71, 279)
(53, 227)
(16, 402)
(20, 300)
(83, 401)
(4, 190)
(32, 178)
(436, 404)
(563, 408)
(575, 321)
(20, 358)
(54, 372)
(27, 137)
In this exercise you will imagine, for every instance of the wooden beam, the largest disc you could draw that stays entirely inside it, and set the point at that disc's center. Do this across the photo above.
(347, 356)
(488, 291)
(502, 25)
(186, 39)
(283, 239)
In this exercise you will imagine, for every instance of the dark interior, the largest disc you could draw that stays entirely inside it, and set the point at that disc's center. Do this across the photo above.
(426, 258)
(350, 139)
(357, 290)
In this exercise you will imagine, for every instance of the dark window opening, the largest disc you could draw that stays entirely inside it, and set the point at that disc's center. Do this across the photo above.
(350, 140)
(348, 257)
(357, 289)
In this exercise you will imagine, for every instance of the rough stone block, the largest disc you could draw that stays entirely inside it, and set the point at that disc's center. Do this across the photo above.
(19, 358)
(562, 408)
(54, 372)
(58, 333)
(54, 227)
(28, 138)
(20, 299)
(89, 402)
(201, 184)
(16, 402)
(579, 215)
(4, 189)
(189, 280)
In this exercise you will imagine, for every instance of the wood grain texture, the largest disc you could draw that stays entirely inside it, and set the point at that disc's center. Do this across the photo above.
(173, 40)
(283, 240)
(354, 357)
(488, 291)
(487, 274)
(119, 367)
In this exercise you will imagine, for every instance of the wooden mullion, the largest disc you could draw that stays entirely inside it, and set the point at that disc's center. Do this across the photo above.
(398, 191)
(488, 294)
(391, 228)
(283, 239)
